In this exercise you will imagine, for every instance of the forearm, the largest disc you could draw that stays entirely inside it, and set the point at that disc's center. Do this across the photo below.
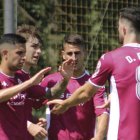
(57, 90)
(6, 94)
(102, 126)
(81, 95)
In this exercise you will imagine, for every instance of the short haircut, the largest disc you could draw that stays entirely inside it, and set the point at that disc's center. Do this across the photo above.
(13, 39)
(74, 39)
(28, 31)
(132, 15)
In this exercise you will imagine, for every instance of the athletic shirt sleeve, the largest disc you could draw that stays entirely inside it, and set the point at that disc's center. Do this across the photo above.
(98, 100)
(103, 70)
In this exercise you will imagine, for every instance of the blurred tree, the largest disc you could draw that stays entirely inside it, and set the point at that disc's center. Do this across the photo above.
(41, 14)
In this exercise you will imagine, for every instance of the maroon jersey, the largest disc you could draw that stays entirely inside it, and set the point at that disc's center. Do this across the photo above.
(78, 123)
(12, 119)
(122, 67)
(36, 96)
(13, 113)
(31, 102)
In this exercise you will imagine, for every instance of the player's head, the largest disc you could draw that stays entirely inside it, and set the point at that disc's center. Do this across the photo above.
(129, 22)
(33, 43)
(74, 47)
(12, 50)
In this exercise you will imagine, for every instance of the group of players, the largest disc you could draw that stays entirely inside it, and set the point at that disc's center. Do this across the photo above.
(76, 111)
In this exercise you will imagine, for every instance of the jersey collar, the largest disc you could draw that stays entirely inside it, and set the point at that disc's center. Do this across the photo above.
(6, 75)
(25, 71)
(85, 73)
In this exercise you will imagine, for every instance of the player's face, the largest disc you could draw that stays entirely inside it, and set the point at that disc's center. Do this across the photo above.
(76, 53)
(121, 33)
(15, 58)
(33, 51)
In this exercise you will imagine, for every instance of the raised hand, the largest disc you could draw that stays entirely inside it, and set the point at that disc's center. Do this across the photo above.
(36, 79)
(66, 69)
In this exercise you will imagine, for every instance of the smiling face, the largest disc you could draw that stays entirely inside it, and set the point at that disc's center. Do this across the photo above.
(76, 53)
(33, 51)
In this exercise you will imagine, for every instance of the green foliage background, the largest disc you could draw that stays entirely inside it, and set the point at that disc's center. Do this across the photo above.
(45, 14)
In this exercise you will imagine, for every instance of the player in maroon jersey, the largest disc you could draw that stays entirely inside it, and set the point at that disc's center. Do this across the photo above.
(13, 88)
(122, 67)
(33, 52)
(78, 123)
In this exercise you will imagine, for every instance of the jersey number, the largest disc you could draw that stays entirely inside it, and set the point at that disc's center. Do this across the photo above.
(138, 82)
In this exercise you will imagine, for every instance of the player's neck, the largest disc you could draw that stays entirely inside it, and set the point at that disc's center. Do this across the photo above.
(4, 69)
(26, 68)
(78, 73)
(132, 38)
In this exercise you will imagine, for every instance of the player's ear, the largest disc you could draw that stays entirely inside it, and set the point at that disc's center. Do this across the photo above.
(63, 55)
(4, 52)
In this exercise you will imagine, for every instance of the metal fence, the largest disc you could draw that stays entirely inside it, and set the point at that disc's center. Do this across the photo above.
(95, 20)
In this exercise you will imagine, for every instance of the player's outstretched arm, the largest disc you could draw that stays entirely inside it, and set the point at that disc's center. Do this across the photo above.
(82, 94)
(66, 70)
(6, 94)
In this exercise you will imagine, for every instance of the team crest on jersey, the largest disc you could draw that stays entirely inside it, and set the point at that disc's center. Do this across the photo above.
(4, 84)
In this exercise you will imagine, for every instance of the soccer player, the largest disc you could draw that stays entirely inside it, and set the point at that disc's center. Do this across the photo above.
(33, 52)
(78, 123)
(14, 89)
(122, 67)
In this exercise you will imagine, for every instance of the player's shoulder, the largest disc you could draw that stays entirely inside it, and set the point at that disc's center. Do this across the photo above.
(3, 77)
(22, 75)
(55, 75)
(109, 55)
(22, 72)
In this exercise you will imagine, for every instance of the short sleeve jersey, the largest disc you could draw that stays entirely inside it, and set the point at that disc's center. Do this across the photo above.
(12, 118)
(122, 68)
(78, 123)
(33, 100)
(14, 113)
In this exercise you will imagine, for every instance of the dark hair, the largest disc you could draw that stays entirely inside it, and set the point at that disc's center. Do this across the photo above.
(74, 39)
(133, 15)
(29, 30)
(12, 38)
